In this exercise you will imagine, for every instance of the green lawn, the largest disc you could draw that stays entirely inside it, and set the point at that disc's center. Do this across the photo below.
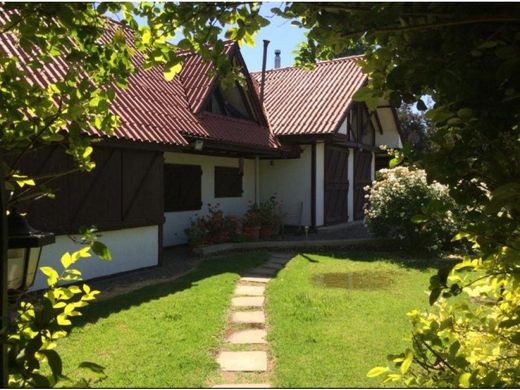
(331, 336)
(162, 335)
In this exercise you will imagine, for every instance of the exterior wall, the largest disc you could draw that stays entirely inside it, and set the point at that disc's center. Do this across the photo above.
(290, 181)
(320, 184)
(131, 249)
(350, 201)
(176, 222)
(390, 136)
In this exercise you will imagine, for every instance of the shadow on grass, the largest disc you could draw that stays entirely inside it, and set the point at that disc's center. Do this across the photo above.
(238, 263)
(402, 259)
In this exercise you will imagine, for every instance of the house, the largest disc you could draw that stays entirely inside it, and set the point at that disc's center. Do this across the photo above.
(190, 142)
(338, 140)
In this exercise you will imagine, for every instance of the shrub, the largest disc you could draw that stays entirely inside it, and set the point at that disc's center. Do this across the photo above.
(402, 204)
(213, 228)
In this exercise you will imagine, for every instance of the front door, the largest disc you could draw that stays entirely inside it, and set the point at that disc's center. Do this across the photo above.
(336, 185)
(362, 178)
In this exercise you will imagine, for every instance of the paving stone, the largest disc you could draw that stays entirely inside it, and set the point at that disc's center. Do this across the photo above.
(257, 279)
(243, 386)
(247, 301)
(250, 290)
(248, 317)
(243, 361)
(248, 336)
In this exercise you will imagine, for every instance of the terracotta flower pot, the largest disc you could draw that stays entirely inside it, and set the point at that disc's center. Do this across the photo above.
(266, 232)
(251, 233)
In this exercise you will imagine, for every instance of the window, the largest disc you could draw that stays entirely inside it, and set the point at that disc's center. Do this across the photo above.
(182, 187)
(228, 182)
(231, 102)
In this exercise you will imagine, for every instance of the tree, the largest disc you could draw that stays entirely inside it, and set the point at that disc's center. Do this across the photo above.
(415, 127)
(466, 58)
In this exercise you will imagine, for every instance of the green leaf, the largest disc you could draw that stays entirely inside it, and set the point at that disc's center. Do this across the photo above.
(55, 362)
(170, 72)
(66, 260)
(407, 362)
(419, 218)
(101, 251)
(52, 275)
(376, 371)
(464, 380)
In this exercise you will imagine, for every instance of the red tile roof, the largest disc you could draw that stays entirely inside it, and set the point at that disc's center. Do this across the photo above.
(299, 101)
(154, 110)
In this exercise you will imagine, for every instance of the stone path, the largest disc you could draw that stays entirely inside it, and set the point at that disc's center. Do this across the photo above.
(244, 360)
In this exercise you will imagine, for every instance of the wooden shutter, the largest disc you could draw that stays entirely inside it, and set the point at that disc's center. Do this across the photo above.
(142, 187)
(228, 182)
(182, 187)
(336, 185)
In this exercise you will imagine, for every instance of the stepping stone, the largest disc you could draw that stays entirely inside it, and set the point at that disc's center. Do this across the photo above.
(243, 361)
(249, 336)
(250, 290)
(257, 279)
(247, 301)
(244, 386)
(248, 317)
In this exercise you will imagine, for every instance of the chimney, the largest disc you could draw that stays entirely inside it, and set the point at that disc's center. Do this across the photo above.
(277, 59)
(262, 83)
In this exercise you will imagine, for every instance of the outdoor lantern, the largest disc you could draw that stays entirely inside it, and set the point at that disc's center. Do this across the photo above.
(23, 255)
(198, 145)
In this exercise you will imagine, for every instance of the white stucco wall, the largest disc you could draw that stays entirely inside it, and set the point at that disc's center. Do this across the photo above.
(290, 181)
(350, 170)
(131, 249)
(320, 184)
(390, 136)
(176, 222)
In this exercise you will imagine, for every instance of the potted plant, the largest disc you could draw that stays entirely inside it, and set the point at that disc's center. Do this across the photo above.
(197, 233)
(251, 224)
(269, 218)
(216, 224)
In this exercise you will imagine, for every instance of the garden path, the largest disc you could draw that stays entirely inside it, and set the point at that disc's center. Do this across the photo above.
(244, 359)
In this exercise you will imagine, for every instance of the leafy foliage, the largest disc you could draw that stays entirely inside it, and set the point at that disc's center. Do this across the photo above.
(402, 204)
(44, 319)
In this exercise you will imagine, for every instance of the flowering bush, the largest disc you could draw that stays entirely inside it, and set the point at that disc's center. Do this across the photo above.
(402, 204)
(213, 228)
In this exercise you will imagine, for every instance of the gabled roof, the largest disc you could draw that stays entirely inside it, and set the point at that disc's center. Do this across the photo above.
(154, 110)
(299, 101)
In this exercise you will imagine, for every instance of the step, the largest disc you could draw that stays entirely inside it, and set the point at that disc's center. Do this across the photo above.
(248, 317)
(256, 279)
(247, 301)
(250, 361)
(248, 336)
(250, 290)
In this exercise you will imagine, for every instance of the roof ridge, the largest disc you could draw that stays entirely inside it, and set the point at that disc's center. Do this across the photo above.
(351, 57)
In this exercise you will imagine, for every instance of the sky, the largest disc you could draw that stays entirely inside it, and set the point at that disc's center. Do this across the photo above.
(281, 34)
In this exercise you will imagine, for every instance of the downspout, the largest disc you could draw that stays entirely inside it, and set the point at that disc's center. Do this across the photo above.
(257, 179)
(264, 61)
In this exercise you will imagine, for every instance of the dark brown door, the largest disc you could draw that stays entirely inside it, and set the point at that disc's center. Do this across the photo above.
(362, 178)
(336, 185)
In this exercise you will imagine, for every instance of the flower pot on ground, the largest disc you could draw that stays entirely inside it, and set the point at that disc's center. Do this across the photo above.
(251, 233)
(266, 232)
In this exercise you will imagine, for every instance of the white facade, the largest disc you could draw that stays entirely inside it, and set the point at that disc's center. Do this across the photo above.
(176, 222)
(290, 181)
(131, 249)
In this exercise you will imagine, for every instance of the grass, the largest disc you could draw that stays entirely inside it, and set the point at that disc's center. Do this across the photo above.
(333, 318)
(159, 336)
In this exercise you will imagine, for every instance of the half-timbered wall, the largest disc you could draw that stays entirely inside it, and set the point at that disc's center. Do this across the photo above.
(123, 191)
(120, 197)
